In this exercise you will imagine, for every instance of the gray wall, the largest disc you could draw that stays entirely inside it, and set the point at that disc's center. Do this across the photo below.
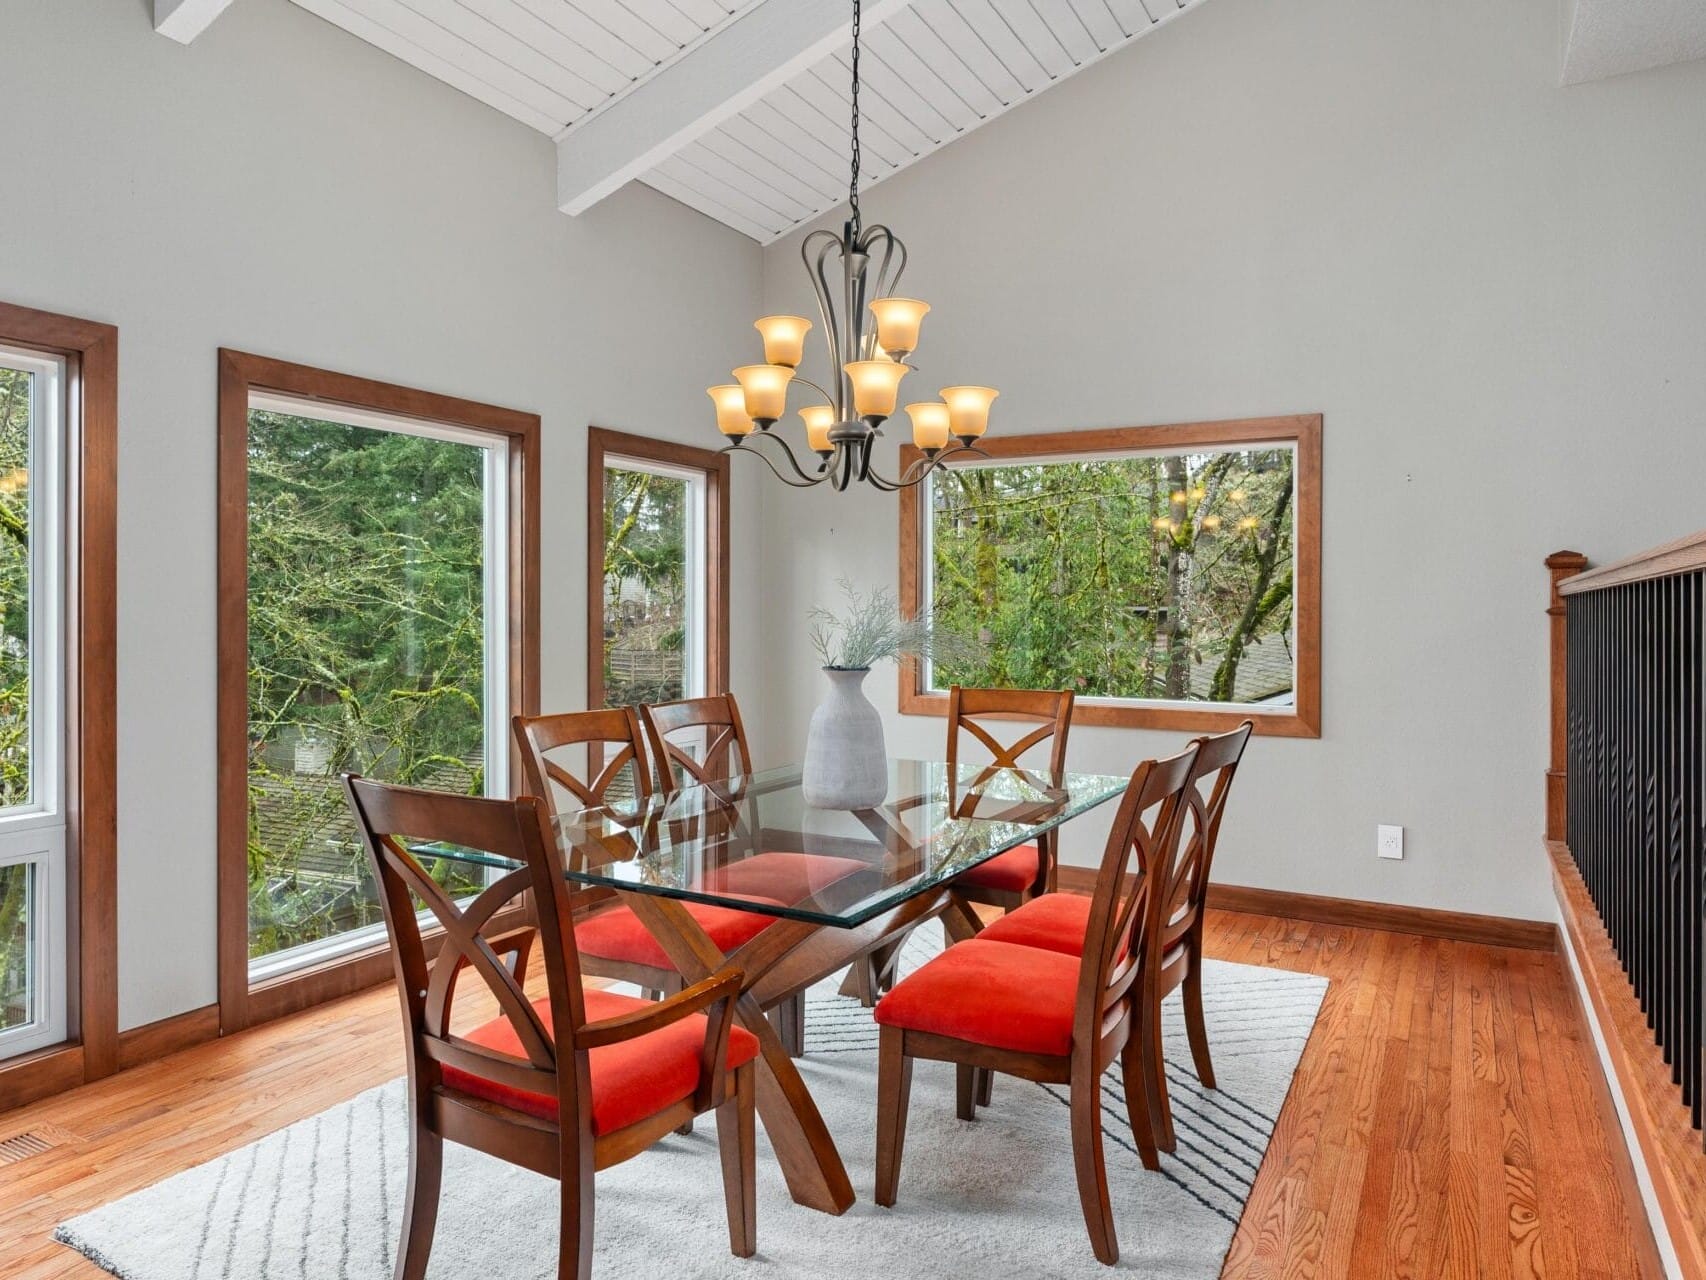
(1492, 287)
(284, 188)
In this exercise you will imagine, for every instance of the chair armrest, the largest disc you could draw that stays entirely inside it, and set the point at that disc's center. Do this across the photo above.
(717, 993)
(724, 985)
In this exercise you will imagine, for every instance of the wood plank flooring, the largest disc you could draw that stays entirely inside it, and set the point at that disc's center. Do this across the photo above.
(1444, 1121)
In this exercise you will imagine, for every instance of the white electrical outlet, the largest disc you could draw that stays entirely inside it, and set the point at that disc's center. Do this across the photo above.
(1389, 841)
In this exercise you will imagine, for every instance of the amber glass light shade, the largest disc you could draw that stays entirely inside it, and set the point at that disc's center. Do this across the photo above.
(732, 417)
(876, 384)
(929, 424)
(784, 339)
(968, 409)
(819, 418)
(766, 388)
(897, 324)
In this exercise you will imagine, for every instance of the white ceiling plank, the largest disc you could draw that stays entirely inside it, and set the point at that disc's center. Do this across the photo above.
(889, 138)
(996, 34)
(705, 14)
(949, 99)
(623, 24)
(777, 168)
(1029, 26)
(966, 71)
(807, 169)
(521, 23)
(661, 181)
(434, 63)
(709, 182)
(1131, 15)
(592, 35)
(728, 71)
(887, 98)
(479, 33)
(1099, 21)
(787, 128)
(184, 20)
(720, 171)
(1068, 27)
(1615, 37)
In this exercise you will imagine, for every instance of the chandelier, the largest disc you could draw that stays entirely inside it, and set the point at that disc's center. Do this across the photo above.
(871, 334)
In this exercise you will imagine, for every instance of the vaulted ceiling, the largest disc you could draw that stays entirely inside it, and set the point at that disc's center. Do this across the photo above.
(739, 108)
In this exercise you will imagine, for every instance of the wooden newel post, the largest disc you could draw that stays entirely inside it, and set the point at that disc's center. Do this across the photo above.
(1562, 565)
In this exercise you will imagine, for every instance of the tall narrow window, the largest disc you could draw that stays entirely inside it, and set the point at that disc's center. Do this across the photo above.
(33, 961)
(658, 572)
(379, 573)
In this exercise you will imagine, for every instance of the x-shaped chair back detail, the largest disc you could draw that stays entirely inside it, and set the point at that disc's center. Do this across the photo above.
(715, 723)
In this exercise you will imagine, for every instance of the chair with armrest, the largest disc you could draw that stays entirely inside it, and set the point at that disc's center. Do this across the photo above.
(1058, 921)
(565, 1085)
(1048, 1016)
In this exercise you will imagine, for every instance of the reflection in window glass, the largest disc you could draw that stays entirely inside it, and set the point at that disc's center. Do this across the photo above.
(1155, 577)
(647, 517)
(367, 652)
(17, 909)
(16, 399)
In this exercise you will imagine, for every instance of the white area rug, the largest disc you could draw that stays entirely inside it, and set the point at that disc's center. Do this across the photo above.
(321, 1199)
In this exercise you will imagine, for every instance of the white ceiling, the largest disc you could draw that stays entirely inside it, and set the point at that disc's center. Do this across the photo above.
(763, 146)
(1613, 37)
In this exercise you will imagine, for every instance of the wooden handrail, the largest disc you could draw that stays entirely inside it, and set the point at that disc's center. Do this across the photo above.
(1685, 555)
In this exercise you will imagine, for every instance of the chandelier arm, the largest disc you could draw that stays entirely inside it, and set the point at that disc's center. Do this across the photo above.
(816, 272)
(828, 399)
(759, 454)
(893, 247)
(787, 454)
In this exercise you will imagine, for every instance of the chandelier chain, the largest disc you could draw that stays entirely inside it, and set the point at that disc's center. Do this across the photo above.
(853, 187)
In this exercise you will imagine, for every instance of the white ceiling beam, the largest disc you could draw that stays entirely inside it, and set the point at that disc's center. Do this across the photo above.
(184, 20)
(767, 46)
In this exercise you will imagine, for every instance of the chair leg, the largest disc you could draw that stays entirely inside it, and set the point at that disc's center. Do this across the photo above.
(574, 1243)
(985, 1086)
(420, 1212)
(1088, 1163)
(1155, 1075)
(1195, 1027)
(789, 1021)
(894, 1088)
(735, 1142)
(1137, 1105)
(965, 1091)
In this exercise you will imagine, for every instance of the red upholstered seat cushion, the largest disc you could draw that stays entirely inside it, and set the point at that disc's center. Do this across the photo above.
(784, 877)
(630, 1080)
(990, 993)
(616, 933)
(1053, 921)
(1014, 871)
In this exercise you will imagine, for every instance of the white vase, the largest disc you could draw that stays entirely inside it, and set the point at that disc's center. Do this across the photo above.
(847, 762)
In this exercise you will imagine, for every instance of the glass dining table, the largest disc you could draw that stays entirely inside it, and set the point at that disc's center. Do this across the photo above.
(839, 884)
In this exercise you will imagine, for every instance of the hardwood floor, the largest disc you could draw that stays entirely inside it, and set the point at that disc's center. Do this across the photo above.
(1444, 1121)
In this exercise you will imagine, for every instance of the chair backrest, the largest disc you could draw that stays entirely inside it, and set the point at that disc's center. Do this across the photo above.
(615, 758)
(1199, 829)
(968, 708)
(392, 819)
(694, 740)
(1123, 940)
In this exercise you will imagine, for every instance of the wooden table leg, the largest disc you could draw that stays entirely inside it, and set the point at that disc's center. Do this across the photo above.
(816, 1176)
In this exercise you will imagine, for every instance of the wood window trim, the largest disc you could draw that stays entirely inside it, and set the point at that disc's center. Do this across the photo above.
(601, 444)
(240, 1003)
(1302, 720)
(90, 351)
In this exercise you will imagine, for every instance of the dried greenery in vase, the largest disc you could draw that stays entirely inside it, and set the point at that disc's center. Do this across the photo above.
(872, 630)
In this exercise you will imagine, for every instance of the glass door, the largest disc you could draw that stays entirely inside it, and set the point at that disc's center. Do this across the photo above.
(33, 965)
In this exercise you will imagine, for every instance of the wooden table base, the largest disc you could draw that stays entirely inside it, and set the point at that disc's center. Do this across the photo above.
(784, 960)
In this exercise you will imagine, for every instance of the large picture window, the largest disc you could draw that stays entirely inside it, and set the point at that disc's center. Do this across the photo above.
(1169, 576)
(657, 570)
(380, 579)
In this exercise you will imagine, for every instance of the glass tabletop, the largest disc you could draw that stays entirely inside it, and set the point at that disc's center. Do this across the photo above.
(755, 844)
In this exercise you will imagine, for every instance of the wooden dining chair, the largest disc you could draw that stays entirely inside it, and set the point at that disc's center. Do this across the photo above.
(698, 742)
(1059, 921)
(1047, 1016)
(612, 940)
(565, 1085)
(1011, 879)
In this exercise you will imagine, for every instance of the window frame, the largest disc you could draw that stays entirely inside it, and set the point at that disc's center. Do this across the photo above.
(244, 1002)
(1301, 432)
(604, 447)
(88, 484)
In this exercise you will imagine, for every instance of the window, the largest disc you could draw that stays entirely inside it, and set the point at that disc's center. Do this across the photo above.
(380, 632)
(1168, 575)
(657, 572)
(33, 902)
